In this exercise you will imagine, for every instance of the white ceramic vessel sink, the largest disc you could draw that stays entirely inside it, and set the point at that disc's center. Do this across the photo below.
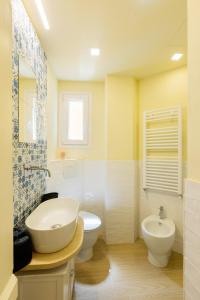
(52, 224)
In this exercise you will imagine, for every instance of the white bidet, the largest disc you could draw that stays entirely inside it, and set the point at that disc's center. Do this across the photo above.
(159, 235)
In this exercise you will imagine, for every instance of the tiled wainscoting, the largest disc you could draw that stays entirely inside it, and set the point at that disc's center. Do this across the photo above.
(192, 240)
(110, 189)
(106, 188)
(121, 202)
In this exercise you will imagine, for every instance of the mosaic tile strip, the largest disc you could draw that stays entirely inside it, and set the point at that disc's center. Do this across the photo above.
(28, 186)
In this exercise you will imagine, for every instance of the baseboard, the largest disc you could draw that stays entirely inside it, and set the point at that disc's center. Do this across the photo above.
(10, 292)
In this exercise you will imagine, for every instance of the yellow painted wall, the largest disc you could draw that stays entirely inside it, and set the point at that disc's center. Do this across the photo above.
(117, 113)
(121, 117)
(26, 84)
(6, 195)
(51, 109)
(194, 90)
(96, 147)
(167, 89)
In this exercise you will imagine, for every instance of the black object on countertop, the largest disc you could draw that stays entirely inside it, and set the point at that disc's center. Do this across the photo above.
(22, 248)
(49, 196)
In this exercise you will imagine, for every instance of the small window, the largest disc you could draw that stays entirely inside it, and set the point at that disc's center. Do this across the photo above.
(74, 115)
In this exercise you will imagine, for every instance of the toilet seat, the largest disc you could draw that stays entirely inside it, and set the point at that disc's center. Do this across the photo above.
(91, 221)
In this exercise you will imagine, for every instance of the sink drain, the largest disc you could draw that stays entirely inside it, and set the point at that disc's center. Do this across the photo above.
(55, 226)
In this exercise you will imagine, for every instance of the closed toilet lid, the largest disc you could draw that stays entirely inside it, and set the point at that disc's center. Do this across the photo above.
(90, 220)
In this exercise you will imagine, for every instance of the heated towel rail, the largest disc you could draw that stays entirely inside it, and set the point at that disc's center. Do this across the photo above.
(162, 169)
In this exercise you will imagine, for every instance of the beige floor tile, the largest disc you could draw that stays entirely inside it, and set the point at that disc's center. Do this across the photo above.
(122, 272)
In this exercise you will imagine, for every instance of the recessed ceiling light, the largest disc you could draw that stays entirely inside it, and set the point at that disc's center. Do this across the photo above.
(177, 56)
(42, 13)
(95, 51)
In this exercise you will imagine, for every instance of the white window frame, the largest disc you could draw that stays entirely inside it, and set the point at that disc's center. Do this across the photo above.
(65, 97)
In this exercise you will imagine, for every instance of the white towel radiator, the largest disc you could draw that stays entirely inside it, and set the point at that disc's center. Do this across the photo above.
(162, 149)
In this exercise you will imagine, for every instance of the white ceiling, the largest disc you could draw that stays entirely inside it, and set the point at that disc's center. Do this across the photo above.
(136, 37)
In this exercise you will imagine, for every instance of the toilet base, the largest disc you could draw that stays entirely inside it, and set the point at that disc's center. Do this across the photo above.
(158, 260)
(85, 255)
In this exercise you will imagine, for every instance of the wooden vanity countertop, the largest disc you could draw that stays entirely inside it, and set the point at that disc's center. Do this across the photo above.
(43, 261)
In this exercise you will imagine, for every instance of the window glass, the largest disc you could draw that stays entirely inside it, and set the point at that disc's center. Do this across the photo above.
(75, 120)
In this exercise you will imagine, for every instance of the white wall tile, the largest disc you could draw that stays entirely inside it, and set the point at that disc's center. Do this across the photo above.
(93, 198)
(106, 188)
(120, 225)
(66, 178)
(191, 293)
(192, 247)
(121, 202)
(192, 240)
(192, 275)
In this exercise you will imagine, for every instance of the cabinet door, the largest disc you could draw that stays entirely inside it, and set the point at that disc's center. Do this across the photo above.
(32, 289)
(54, 284)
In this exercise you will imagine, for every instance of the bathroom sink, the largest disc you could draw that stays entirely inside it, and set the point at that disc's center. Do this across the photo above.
(52, 224)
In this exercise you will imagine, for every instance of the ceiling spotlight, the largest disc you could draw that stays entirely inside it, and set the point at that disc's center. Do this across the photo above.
(177, 56)
(95, 51)
(42, 13)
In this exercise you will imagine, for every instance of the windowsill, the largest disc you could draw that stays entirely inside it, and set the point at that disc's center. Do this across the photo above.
(74, 146)
(65, 159)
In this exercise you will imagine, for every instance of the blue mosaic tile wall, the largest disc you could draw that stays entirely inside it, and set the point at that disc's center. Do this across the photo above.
(28, 186)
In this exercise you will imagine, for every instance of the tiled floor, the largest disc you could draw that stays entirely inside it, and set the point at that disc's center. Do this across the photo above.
(122, 272)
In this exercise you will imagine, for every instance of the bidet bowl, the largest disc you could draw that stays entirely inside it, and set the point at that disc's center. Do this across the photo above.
(159, 236)
(52, 224)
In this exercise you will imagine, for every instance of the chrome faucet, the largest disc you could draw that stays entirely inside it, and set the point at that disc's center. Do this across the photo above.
(38, 168)
(161, 212)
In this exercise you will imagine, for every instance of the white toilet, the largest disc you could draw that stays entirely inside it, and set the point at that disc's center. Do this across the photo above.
(92, 224)
(159, 235)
